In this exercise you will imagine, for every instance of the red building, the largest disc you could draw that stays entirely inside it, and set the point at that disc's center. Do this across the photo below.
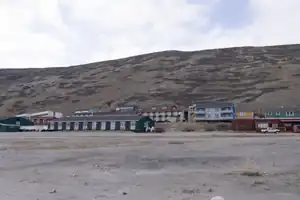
(273, 123)
(243, 124)
(41, 120)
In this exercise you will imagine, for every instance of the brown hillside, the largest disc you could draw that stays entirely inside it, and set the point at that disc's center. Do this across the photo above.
(254, 76)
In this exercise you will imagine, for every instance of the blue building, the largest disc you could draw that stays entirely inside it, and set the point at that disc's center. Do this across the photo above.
(213, 111)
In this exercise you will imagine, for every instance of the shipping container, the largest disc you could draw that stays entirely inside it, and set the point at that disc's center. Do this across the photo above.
(243, 125)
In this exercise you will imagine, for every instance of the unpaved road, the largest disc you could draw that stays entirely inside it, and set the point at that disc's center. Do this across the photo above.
(87, 166)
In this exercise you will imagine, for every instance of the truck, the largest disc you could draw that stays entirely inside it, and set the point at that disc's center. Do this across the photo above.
(270, 130)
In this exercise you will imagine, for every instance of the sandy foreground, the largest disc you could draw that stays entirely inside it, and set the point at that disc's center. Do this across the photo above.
(177, 166)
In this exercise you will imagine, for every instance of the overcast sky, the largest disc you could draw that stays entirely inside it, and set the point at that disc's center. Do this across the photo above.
(47, 33)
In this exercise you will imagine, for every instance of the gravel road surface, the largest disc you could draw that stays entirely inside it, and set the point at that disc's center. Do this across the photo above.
(177, 166)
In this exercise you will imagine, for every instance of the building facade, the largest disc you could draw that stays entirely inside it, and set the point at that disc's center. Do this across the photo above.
(283, 113)
(212, 111)
(244, 121)
(168, 113)
(101, 123)
(244, 115)
(40, 119)
(289, 116)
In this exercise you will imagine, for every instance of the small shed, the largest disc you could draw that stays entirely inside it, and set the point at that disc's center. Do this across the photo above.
(116, 122)
(142, 123)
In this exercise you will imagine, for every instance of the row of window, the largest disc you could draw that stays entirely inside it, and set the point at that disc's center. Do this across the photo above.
(290, 114)
(89, 125)
(213, 109)
(164, 116)
(41, 121)
(214, 116)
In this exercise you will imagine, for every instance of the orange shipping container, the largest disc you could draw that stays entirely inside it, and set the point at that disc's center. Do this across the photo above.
(244, 115)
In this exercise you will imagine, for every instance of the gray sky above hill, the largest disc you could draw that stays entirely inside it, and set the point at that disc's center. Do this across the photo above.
(47, 33)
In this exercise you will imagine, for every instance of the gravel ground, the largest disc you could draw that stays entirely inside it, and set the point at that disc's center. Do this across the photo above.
(177, 166)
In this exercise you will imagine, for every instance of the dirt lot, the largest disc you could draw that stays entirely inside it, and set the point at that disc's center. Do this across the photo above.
(87, 166)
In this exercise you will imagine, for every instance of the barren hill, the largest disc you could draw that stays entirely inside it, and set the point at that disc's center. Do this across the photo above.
(252, 76)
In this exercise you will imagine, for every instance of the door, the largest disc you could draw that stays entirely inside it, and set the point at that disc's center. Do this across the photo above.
(80, 126)
(72, 126)
(107, 126)
(127, 125)
(64, 126)
(118, 126)
(98, 126)
(90, 126)
(55, 126)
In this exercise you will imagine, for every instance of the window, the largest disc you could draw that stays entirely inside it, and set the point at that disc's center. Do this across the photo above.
(226, 109)
(208, 116)
(199, 109)
(227, 115)
(210, 110)
(289, 113)
(200, 115)
(277, 113)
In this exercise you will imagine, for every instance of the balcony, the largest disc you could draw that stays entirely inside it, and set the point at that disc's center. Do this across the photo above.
(211, 110)
(226, 110)
(201, 110)
(214, 116)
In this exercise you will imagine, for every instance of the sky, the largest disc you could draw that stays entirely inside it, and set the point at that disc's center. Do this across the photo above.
(56, 33)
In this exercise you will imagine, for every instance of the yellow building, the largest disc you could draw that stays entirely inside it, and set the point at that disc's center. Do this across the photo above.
(244, 115)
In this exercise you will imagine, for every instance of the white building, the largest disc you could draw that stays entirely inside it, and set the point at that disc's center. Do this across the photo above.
(169, 113)
(40, 119)
(48, 114)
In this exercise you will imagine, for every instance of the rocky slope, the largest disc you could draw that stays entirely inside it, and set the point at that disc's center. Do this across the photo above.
(252, 76)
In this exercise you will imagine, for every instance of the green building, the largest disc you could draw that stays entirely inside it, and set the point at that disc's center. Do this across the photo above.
(13, 124)
(283, 113)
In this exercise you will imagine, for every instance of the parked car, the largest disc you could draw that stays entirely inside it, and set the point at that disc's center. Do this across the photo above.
(270, 130)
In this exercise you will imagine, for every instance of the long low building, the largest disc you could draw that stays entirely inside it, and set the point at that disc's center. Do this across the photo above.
(136, 123)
